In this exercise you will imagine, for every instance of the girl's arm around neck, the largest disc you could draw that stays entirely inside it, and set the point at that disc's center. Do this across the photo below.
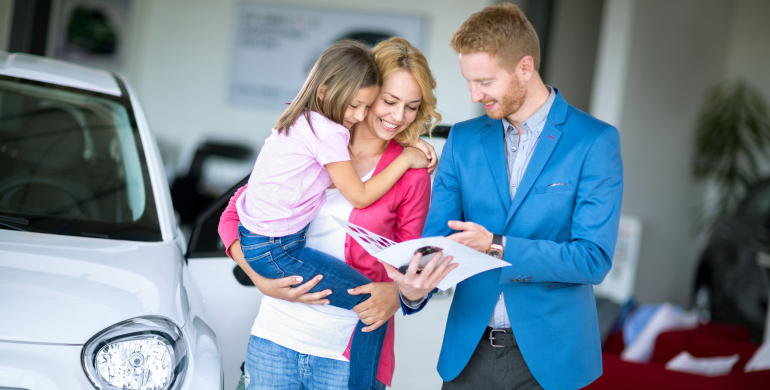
(361, 194)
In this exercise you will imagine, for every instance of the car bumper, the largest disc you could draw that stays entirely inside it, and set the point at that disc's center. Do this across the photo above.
(28, 366)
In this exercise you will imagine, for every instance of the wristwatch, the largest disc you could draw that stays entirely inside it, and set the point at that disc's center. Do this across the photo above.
(496, 250)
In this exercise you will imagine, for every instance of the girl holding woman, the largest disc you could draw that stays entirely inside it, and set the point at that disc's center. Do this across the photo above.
(296, 345)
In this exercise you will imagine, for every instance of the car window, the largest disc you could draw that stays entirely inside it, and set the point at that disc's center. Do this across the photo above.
(71, 163)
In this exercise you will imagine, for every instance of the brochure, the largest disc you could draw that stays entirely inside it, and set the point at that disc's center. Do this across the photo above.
(469, 261)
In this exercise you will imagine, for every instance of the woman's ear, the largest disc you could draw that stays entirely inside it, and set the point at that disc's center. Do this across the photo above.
(322, 92)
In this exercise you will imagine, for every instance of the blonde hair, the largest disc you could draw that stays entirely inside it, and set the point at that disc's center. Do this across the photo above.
(397, 54)
(499, 30)
(343, 69)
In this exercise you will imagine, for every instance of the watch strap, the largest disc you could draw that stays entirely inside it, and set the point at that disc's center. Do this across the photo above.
(497, 239)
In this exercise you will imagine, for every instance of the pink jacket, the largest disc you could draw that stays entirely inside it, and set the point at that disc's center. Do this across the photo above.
(399, 215)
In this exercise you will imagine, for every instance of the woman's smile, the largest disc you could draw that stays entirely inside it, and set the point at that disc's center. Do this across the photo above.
(389, 126)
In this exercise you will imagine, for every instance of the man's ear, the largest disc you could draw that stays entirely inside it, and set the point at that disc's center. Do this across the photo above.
(526, 66)
(322, 92)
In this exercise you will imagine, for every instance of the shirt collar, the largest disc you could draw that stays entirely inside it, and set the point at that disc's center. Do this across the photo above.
(536, 121)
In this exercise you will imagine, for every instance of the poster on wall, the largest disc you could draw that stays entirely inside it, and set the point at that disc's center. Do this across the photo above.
(92, 31)
(275, 46)
(619, 283)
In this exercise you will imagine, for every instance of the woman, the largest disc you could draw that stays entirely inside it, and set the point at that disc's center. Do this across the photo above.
(296, 345)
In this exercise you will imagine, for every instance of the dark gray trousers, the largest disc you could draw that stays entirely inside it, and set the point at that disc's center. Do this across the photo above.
(494, 368)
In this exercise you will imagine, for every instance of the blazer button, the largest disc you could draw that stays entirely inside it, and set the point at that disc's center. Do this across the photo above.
(346, 245)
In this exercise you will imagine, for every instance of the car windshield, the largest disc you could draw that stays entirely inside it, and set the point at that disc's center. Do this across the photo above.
(71, 162)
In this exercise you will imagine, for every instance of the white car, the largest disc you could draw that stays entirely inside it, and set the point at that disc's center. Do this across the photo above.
(95, 290)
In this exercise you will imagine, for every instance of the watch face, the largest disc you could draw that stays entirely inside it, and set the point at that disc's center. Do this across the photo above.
(496, 253)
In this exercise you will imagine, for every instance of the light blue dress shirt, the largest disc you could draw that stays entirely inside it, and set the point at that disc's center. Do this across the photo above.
(518, 152)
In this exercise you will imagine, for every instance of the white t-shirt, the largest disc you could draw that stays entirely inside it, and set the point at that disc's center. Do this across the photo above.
(316, 330)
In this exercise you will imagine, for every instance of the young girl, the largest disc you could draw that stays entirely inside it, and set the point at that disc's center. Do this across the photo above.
(305, 154)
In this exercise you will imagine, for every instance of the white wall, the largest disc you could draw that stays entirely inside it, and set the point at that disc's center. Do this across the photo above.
(748, 54)
(572, 49)
(182, 56)
(676, 53)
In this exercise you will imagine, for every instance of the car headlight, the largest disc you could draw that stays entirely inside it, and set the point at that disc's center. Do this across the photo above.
(143, 353)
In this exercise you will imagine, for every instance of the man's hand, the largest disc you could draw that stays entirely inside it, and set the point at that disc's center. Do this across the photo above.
(380, 307)
(281, 288)
(414, 286)
(472, 235)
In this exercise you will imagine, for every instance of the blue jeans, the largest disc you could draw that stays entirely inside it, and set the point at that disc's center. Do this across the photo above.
(278, 257)
(270, 366)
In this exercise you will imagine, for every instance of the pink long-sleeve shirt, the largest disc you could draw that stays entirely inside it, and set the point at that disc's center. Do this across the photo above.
(399, 215)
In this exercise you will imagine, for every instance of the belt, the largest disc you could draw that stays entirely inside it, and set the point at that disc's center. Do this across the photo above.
(499, 338)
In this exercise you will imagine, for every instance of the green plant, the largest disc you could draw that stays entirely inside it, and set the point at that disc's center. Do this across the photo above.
(731, 144)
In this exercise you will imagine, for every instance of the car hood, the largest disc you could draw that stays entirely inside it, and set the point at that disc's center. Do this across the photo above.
(64, 290)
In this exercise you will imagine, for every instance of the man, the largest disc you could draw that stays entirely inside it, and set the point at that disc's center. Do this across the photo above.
(539, 183)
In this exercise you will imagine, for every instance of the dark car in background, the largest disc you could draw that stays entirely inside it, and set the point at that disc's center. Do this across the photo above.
(732, 283)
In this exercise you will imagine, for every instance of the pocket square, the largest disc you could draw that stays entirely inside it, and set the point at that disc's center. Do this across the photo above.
(556, 184)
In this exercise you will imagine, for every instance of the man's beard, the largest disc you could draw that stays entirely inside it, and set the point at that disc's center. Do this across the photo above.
(511, 102)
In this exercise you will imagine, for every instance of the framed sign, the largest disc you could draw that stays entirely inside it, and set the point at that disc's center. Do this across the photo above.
(619, 284)
(275, 46)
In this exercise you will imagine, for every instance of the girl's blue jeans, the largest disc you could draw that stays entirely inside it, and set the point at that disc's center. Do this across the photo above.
(279, 257)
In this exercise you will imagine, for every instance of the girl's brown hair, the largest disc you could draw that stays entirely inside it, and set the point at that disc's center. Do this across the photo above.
(342, 69)
(397, 54)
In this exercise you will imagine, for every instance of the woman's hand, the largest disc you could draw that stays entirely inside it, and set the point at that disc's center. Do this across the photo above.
(416, 157)
(430, 153)
(380, 307)
(281, 288)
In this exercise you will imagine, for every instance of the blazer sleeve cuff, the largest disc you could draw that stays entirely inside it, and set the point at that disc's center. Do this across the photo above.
(409, 307)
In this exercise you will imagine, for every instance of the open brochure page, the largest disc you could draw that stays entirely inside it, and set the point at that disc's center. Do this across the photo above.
(469, 262)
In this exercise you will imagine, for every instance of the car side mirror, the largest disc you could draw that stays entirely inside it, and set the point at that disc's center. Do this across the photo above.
(241, 277)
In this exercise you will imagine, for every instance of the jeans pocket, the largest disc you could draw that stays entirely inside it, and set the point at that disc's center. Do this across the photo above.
(253, 240)
(292, 243)
(264, 265)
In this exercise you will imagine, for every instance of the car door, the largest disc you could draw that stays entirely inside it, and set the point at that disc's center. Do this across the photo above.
(230, 300)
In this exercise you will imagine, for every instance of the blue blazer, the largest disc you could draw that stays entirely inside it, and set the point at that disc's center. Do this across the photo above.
(561, 229)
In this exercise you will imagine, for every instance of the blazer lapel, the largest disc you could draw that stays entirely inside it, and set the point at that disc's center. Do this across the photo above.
(547, 142)
(492, 141)
(545, 146)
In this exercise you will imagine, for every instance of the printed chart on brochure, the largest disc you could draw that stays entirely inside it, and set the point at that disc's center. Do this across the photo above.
(469, 262)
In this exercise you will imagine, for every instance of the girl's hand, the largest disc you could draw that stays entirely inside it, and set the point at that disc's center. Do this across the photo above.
(416, 157)
(380, 307)
(430, 153)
